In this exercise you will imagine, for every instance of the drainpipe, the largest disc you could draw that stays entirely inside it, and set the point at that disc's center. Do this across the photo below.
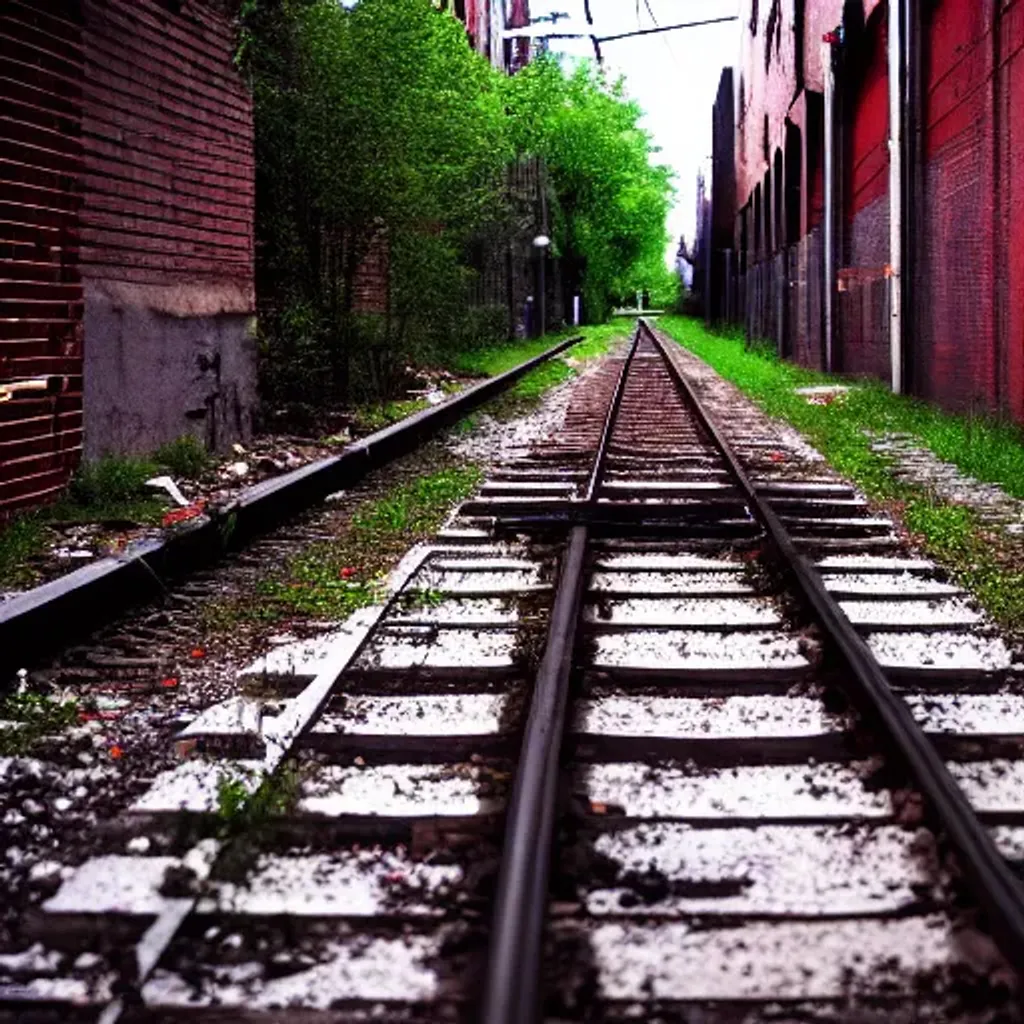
(830, 41)
(913, 188)
(896, 156)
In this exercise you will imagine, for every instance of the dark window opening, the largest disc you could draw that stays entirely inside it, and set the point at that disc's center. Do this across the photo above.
(757, 223)
(794, 162)
(779, 240)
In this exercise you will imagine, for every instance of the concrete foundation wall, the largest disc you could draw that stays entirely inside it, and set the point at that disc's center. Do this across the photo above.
(151, 377)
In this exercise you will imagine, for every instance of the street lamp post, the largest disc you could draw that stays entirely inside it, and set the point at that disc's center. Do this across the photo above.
(540, 246)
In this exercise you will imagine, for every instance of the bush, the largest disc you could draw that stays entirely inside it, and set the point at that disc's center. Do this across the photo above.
(184, 457)
(111, 480)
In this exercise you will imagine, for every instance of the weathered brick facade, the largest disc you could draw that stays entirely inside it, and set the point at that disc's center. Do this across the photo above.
(963, 280)
(41, 163)
(126, 234)
(167, 227)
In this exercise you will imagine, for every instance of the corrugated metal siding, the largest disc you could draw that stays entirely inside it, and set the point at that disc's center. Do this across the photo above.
(168, 134)
(40, 291)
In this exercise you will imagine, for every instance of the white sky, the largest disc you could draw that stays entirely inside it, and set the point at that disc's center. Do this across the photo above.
(672, 75)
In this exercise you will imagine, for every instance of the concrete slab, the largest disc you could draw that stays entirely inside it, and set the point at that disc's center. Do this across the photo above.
(772, 961)
(808, 870)
(692, 650)
(403, 791)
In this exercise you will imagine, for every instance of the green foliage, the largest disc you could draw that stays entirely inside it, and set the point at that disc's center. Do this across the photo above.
(370, 418)
(330, 580)
(417, 507)
(528, 391)
(247, 803)
(421, 597)
(314, 586)
(611, 199)
(491, 360)
(184, 457)
(381, 134)
(111, 479)
(988, 449)
(378, 129)
(22, 539)
(110, 489)
(988, 563)
(36, 716)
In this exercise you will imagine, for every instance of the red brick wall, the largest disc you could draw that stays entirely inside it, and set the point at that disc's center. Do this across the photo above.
(167, 227)
(868, 165)
(40, 293)
(1011, 219)
(954, 352)
(168, 135)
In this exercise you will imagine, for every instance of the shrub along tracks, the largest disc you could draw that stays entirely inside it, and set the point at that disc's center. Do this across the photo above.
(758, 760)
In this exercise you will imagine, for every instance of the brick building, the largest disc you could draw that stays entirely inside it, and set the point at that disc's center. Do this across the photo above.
(126, 234)
(879, 186)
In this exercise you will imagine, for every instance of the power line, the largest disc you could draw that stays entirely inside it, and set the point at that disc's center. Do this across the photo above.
(666, 28)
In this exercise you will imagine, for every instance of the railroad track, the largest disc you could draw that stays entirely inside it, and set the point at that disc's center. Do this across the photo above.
(667, 725)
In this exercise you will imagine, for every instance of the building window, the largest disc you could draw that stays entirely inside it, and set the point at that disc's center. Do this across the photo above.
(773, 32)
(753, 17)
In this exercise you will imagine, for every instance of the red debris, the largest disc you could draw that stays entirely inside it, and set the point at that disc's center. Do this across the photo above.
(116, 752)
(180, 515)
(98, 716)
(169, 681)
(347, 572)
(777, 457)
(198, 652)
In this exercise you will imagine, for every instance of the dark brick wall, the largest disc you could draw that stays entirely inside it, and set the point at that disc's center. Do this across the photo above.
(40, 289)
(167, 227)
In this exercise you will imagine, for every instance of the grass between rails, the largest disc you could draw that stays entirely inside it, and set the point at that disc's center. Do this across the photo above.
(527, 392)
(332, 579)
(986, 561)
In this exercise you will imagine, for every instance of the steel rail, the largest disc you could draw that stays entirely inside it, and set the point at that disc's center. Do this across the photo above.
(51, 616)
(999, 893)
(512, 984)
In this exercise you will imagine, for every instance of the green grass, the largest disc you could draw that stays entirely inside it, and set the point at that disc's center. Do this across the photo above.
(23, 539)
(490, 360)
(36, 716)
(987, 449)
(985, 561)
(184, 457)
(369, 418)
(111, 489)
(330, 580)
(528, 391)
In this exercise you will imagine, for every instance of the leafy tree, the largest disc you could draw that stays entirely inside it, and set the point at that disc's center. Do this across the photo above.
(612, 200)
(375, 126)
(379, 130)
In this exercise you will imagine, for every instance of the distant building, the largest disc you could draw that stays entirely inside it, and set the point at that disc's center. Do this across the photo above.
(486, 22)
(885, 249)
